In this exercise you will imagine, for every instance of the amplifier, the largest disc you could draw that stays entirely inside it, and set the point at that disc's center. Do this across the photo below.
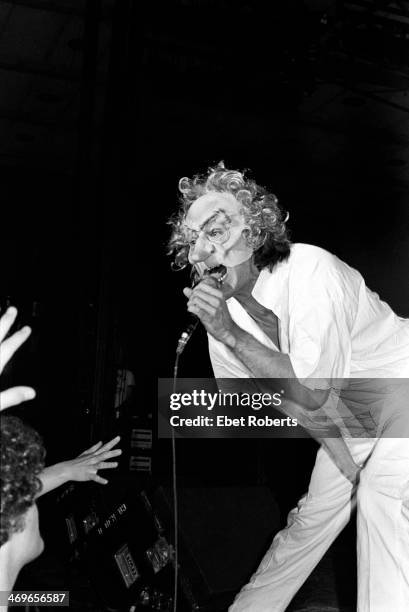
(125, 542)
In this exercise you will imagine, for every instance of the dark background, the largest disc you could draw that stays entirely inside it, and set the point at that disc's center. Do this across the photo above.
(104, 105)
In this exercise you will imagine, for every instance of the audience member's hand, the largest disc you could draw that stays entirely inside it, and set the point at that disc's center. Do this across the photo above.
(15, 395)
(86, 466)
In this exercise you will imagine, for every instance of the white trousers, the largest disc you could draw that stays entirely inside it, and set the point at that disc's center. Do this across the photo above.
(382, 531)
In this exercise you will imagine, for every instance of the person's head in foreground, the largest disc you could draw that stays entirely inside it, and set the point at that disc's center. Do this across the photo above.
(22, 459)
(225, 225)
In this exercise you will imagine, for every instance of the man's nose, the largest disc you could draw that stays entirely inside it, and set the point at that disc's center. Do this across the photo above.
(200, 251)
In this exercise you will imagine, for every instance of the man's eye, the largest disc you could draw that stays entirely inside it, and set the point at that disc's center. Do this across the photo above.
(215, 232)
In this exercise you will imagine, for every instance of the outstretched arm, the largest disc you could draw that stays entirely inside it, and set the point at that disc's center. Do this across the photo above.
(82, 468)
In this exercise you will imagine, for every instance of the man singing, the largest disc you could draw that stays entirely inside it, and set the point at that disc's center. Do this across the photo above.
(277, 310)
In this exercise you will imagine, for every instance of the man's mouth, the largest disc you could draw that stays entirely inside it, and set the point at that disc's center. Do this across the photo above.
(217, 272)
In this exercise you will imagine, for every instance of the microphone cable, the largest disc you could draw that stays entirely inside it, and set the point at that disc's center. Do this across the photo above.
(182, 342)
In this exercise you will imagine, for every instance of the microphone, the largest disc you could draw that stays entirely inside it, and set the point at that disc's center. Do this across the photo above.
(186, 335)
(199, 276)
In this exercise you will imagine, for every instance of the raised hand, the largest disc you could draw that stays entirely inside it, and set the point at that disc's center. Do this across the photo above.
(15, 395)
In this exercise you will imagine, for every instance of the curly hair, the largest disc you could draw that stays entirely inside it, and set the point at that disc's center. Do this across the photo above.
(22, 459)
(268, 235)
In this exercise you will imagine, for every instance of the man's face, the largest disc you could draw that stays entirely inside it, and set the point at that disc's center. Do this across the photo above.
(214, 227)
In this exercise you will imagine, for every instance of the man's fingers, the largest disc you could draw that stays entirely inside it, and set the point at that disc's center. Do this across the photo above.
(15, 396)
(195, 310)
(198, 304)
(6, 321)
(109, 445)
(208, 286)
(9, 346)
(206, 297)
(205, 287)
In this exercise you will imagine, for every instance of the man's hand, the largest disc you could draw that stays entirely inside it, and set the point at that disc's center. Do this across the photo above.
(206, 301)
(15, 395)
(341, 456)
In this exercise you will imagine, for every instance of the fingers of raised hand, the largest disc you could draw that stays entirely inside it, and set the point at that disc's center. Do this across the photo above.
(108, 445)
(108, 455)
(97, 459)
(107, 465)
(99, 479)
(91, 450)
(6, 321)
(102, 465)
(15, 396)
(9, 346)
